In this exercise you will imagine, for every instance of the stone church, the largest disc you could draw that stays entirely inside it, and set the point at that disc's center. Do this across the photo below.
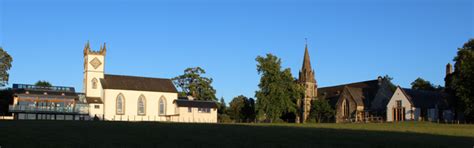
(354, 101)
(307, 79)
(372, 100)
(132, 98)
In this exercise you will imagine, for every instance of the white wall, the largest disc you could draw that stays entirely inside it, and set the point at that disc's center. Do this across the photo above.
(90, 73)
(131, 105)
(96, 111)
(399, 95)
(196, 116)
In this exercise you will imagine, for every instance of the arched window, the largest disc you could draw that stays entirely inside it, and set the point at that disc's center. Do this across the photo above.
(162, 106)
(141, 105)
(345, 108)
(120, 108)
(94, 83)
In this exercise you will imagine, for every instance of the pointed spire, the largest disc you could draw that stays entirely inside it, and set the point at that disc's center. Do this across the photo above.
(103, 49)
(87, 48)
(87, 45)
(306, 60)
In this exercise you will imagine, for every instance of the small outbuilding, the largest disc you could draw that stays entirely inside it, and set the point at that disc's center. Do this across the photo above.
(418, 105)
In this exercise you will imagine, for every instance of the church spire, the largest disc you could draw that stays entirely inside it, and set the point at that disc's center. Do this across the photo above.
(307, 79)
(87, 48)
(103, 49)
(306, 60)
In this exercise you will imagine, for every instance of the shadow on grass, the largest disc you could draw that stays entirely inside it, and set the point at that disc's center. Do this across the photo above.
(144, 134)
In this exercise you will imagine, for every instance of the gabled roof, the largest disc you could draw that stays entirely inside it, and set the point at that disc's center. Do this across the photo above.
(356, 94)
(426, 99)
(137, 83)
(359, 90)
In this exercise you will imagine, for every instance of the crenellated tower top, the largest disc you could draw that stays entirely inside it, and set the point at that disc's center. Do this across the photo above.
(88, 50)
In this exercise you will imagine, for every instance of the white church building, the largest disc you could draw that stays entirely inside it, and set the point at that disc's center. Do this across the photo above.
(131, 98)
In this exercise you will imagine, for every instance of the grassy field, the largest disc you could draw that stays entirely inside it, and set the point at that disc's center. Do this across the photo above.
(143, 134)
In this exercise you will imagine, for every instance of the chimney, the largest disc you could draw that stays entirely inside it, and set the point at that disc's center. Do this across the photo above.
(380, 79)
(449, 69)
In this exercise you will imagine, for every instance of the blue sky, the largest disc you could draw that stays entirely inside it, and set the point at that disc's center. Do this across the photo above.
(348, 41)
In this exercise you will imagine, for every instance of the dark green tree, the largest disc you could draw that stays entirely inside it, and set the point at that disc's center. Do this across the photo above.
(194, 84)
(43, 83)
(390, 84)
(321, 109)
(236, 108)
(5, 65)
(222, 112)
(278, 90)
(249, 110)
(222, 106)
(242, 109)
(6, 98)
(422, 84)
(462, 81)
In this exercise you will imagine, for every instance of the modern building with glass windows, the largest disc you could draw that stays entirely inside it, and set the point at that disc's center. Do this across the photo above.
(32, 102)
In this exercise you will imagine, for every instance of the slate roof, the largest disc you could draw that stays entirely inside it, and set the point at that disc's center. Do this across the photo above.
(137, 83)
(356, 93)
(195, 103)
(426, 99)
(359, 90)
(96, 100)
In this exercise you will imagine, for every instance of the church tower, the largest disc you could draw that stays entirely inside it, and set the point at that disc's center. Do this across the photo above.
(307, 79)
(94, 62)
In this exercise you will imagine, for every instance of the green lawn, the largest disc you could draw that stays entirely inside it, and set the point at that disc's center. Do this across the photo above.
(145, 134)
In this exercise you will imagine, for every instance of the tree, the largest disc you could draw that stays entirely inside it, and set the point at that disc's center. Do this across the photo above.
(6, 98)
(242, 109)
(222, 106)
(194, 84)
(320, 109)
(390, 84)
(43, 83)
(278, 90)
(249, 109)
(5, 65)
(462, 79)
(236, 107)
(422, 84)
(222, 112)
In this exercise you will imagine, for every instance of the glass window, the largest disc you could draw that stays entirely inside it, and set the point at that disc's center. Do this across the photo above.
(120, 104)
(96, 106)
(162, 106)
(190, 109)
(141, 105)
(399, 103)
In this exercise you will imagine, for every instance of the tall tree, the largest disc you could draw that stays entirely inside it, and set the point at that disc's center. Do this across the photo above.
(422, 84)
(222, 106)
(194, 84)
(462, 81)
(249, 109)
(5, 65)
(321, 109)
(278, 90)
(43, 83)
